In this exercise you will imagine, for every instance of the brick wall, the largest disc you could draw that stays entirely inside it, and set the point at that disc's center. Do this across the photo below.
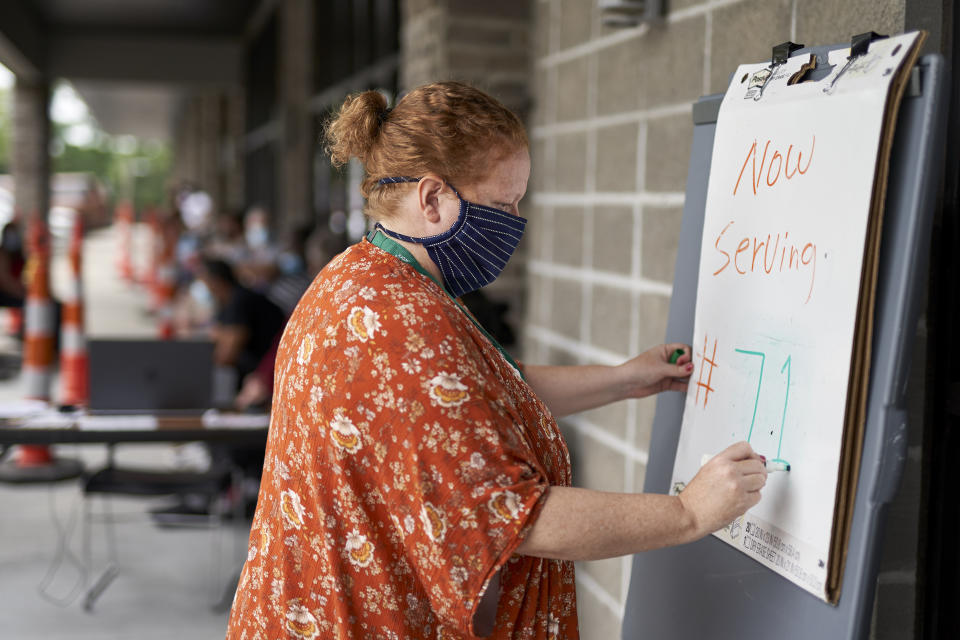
(611, 132)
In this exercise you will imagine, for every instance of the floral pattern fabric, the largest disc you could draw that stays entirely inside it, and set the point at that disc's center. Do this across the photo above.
(406, 461)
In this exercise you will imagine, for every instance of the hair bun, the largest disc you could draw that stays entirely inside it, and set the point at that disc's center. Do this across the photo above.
(355, 127)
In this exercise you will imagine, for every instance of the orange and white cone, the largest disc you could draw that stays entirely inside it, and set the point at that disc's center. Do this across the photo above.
(123, 218)
(39, 338)
(74, 364)
(165, 281)
(152, 254)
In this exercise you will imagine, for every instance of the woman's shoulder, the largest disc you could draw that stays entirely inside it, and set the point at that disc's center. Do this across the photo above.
(365, 277)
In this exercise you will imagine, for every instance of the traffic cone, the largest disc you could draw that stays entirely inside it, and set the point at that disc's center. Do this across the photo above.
(165, 278)
(123, 218)
(74, 365)
(39, 339)
(153, 252)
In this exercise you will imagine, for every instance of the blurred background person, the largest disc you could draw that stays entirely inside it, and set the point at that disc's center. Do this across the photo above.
(245, 322)
(12, 260)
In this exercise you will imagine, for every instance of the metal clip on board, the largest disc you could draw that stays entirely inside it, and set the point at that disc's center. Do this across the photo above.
(778, 57)
(859, 45)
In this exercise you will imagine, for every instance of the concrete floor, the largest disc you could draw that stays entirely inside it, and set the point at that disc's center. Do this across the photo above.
(169, 580)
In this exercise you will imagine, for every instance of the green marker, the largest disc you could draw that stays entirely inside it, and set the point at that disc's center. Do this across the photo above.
(676, 355)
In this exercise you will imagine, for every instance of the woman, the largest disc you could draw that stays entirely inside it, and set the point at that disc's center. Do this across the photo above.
(416, 484)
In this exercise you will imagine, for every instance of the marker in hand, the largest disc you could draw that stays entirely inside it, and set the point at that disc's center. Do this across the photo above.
(676, 355)
(769, 465)
(776, 465)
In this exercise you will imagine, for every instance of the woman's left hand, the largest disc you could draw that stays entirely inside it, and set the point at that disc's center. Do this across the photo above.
(651, 371)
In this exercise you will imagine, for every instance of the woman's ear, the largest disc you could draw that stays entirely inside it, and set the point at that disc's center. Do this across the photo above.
(429, 189)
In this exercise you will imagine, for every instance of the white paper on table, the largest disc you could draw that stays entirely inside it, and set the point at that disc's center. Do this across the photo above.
(128, 422)
(213, 419)
(785, 223)
(48, 418)
(21, 409)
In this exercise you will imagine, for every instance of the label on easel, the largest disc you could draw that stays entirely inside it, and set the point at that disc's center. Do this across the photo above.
(787, 277)
(770, 545)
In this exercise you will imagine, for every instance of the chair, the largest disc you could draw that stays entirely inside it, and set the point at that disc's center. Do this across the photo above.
(115, 480)
(57, 470)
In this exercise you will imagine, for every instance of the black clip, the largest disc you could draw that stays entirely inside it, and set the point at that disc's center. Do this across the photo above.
(783, 51)
(759, 81)
(860, 44)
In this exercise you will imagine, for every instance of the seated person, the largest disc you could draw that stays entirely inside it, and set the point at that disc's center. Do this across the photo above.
(245, 323)
(256, 390)
(293, 273)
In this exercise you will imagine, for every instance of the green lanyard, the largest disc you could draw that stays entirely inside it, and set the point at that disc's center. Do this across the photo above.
(381, 240)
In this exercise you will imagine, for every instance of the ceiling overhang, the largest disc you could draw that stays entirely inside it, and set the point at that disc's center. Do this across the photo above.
(133, 61)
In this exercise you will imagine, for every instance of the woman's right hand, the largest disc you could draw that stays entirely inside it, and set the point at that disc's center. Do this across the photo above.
(724, 488)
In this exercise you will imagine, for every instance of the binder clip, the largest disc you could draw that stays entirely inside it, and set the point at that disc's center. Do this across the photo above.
(783, 51)
(859, 45)
(759, 80)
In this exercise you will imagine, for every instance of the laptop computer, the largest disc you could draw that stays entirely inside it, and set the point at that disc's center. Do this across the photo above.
(163, 377)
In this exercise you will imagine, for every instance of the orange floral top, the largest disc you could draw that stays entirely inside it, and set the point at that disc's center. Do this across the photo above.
(406, 461)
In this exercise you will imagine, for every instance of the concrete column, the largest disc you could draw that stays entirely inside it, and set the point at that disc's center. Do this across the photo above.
(187, 165)
(233, 152)
(210, 131)
(31, 141)
(423, 43)
(485, 44)
(295, 67)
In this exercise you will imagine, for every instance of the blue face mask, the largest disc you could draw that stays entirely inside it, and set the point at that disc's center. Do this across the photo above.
(289, 263)
(475, 250)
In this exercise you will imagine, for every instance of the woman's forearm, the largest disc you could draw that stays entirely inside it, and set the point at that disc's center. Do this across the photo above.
(567, 390)
(580, 524)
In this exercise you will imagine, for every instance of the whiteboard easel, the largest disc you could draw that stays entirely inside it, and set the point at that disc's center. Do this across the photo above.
(708, 590)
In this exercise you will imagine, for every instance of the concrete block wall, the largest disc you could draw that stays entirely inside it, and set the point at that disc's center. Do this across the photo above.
(611, 133)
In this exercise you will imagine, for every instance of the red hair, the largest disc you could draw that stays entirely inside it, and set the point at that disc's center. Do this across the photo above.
(447, 128)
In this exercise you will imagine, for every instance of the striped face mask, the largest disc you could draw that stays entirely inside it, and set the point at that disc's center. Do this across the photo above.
(475, 250)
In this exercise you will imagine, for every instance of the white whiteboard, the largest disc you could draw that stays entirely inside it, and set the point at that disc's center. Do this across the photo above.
(788, 202)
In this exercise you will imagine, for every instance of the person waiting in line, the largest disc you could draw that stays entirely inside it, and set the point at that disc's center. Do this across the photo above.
(416, 483)
(290, 274)
(226, 241)
(257, 264)
(12, 290)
